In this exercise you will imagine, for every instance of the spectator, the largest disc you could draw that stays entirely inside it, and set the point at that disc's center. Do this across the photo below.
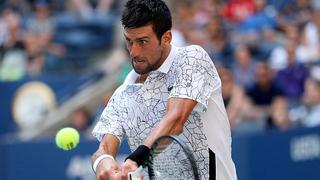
(13, 60)
(260, 97)
(233, 96)
(236, 11)
(310, 37)
(279, 115)
(243, 67)
(22, 7)
(10, 32)
(87, 11)
(219, 46)
(80, 119)
(251, 29)
(309, 112)
(292, 78)
(279, 57)
(38, 39)
(298, 12)
(190, 21)
(40, 29)
(264, 89)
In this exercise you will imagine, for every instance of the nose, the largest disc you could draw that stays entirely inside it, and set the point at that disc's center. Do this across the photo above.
(134, 50)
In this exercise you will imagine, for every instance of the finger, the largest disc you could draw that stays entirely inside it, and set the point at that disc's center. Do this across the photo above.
(123, 176)
(141, 176)
(117, 167)
(103, 176)
(114, 176)
(126, 169)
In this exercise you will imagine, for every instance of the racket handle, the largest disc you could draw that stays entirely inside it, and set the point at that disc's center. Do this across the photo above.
(136, 175)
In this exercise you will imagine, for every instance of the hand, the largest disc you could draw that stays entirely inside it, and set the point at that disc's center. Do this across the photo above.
(108, 169)
(128, 166)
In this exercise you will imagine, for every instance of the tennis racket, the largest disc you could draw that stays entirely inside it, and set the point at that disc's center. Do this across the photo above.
(169, 158)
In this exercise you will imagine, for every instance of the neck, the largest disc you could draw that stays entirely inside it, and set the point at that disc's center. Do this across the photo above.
(142, 78)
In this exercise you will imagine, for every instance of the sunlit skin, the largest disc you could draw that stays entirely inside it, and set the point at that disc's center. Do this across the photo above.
(146, 51)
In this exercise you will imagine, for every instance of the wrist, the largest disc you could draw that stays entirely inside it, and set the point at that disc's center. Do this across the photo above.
(139, 155)
(99, 159)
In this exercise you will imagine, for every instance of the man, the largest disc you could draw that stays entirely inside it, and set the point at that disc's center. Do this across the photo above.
(171, 91)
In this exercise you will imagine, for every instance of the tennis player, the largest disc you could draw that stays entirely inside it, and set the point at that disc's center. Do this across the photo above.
(172, 90)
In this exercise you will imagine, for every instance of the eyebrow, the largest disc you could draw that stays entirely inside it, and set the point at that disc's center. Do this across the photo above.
(140, 38)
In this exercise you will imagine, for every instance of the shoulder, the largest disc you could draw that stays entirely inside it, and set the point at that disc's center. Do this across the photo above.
(118, 93)
(195, 51)
(194, 47)
(194, 59)
(194, 54)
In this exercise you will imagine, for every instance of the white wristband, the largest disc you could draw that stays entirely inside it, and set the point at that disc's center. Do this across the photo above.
(97, 161)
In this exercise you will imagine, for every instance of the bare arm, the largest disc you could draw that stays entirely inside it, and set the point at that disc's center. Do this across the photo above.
(178, 111)
(107, 168)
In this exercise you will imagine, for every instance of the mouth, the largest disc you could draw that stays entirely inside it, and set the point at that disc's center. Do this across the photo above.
(138, 61)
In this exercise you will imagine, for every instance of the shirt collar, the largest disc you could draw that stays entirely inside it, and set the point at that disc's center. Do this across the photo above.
(164, 68)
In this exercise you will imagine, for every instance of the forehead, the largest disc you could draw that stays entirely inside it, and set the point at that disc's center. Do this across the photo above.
(135, 33)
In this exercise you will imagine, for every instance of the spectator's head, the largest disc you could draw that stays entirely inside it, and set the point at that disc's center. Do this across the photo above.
(263, 74)
(311, 95)
(227, 81)
(279, 113)
(139, 13)
(259, 5)
(303, 3)
(292, 32)
(215, 28)
(80, 119)
(183, 9)
(291, 51)
(316, 17)
(12, 20)
(243, 55)
(42, 9)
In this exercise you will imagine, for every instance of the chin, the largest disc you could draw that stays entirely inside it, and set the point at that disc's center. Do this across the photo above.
(141, 71)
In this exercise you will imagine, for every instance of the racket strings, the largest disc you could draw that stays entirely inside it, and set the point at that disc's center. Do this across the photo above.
(170, 162)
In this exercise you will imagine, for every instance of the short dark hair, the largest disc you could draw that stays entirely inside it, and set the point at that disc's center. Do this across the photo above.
(138, 13)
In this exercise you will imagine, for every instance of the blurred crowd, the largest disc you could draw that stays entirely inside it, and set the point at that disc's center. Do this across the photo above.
(267, 52)
(40, 37)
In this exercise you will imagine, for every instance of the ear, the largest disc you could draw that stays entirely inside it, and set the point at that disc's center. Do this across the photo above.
(166, 37)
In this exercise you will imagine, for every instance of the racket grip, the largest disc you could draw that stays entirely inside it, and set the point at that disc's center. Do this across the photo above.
(136, 175)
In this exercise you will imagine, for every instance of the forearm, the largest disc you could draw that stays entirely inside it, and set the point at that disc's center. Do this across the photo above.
(167, 126)
(103, 162)
(108, 145)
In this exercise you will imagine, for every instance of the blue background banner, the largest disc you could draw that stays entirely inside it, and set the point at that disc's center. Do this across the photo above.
(292, 155)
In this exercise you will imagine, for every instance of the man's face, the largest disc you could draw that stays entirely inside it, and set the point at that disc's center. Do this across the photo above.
(144, 48)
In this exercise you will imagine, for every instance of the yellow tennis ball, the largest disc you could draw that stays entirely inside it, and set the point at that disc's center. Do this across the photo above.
(67, 138)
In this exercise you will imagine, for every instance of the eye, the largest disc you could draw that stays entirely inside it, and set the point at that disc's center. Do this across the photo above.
(128, 42)
(143, 42)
